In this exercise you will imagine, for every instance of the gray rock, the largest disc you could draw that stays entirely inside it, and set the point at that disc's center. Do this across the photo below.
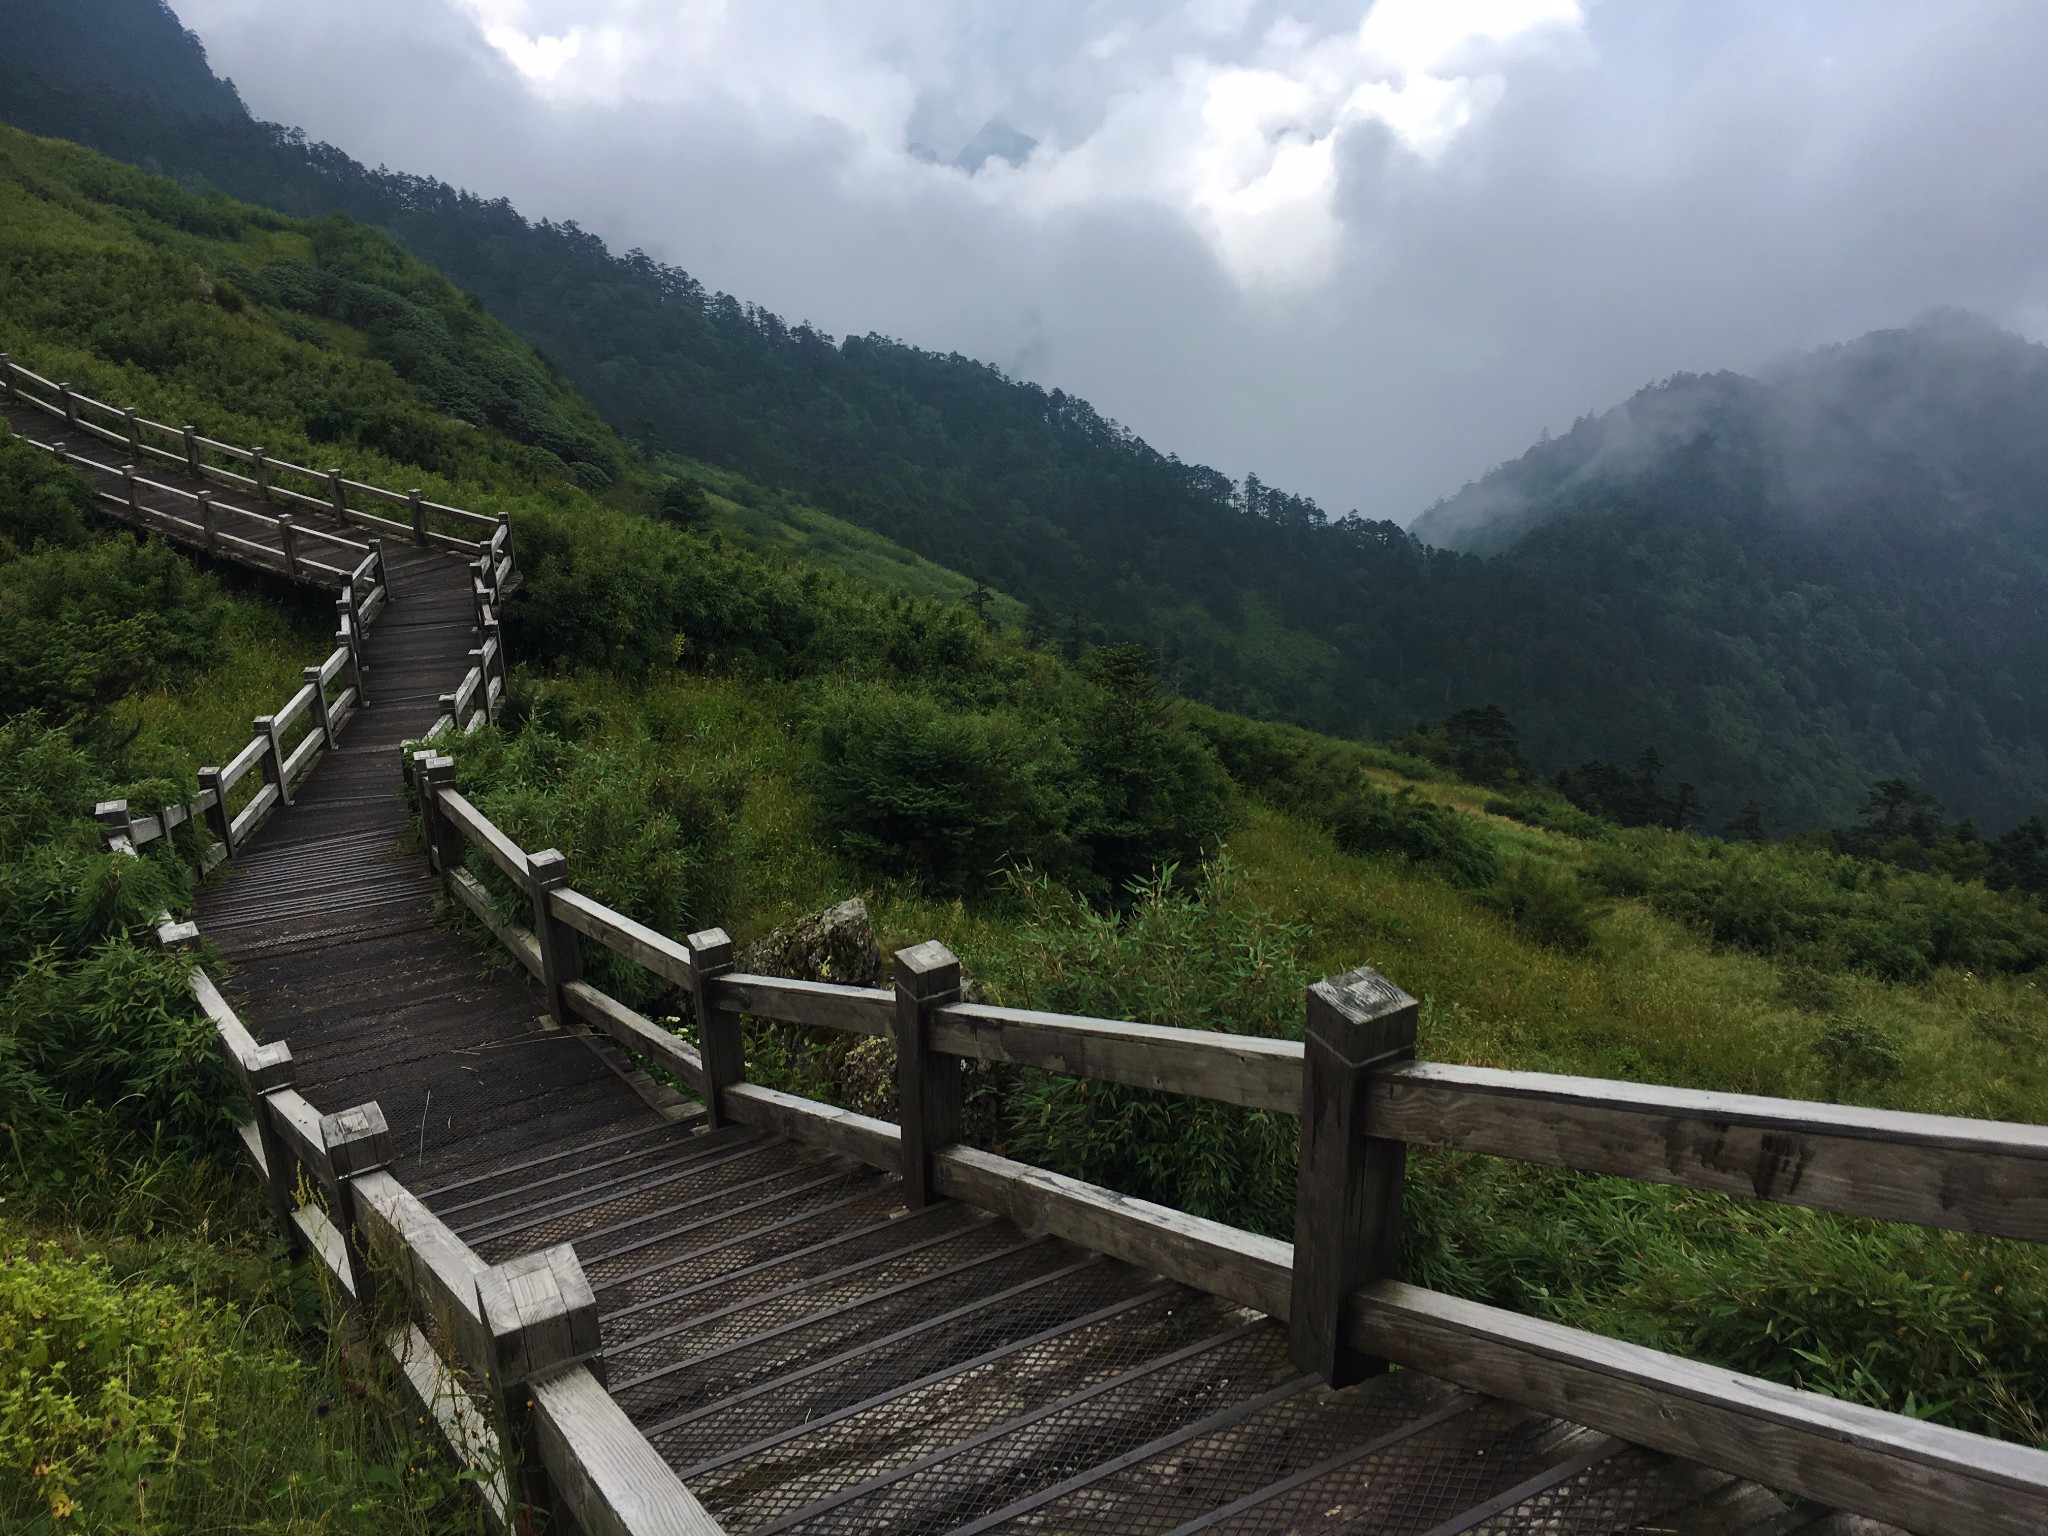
(837, 945)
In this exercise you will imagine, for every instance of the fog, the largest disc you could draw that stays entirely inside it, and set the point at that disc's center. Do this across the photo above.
(1366, 252)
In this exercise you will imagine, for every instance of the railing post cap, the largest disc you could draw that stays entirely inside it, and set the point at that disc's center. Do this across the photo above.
(1361, 1014)
(310, 674)
(269, 1068)
(710, 946)
(927, 967)
(107, 810)
(540, 1312)
(357, 1139)
(264, 722)
(177, 935)
(549, 867)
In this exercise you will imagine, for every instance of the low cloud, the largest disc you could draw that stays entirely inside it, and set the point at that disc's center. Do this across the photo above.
(1365, 252)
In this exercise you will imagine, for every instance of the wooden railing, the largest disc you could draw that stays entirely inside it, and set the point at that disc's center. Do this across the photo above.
(204, 523)
(236, 798)
(1362, 1100)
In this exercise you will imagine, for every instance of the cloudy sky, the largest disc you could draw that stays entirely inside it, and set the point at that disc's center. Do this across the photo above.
(1366, 250)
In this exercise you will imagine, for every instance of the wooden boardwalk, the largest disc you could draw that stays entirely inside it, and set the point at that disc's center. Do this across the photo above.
(805, 1351)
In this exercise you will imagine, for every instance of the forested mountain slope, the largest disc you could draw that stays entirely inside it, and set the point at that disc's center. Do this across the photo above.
(1777, 640)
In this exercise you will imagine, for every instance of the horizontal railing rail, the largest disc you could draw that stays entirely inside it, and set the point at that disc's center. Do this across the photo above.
(328, 491)
(236, 798)
(1362, 1100)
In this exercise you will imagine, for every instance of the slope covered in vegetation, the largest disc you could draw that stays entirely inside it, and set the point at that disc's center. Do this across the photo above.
(719, 734)
(1691, 603)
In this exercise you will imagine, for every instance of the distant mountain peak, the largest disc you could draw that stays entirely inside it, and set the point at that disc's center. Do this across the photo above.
(1946, 415)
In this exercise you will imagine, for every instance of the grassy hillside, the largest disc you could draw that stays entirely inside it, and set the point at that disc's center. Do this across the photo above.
(719, 733)
(1695, 603)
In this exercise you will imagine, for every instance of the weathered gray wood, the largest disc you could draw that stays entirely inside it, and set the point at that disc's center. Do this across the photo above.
(357, 1141)
(438, 1394)
(438, 1269)
(1937, 1481)
(435, 776)
(874, 1142)
(273, 756)
(539, 1315)
(817, 1004)
(1938, 1170)
(929, 1087)
(1240, 1266)
(470, 891)
(718, 1033)
(112, 815)
(214, 794)
(1347, 1212)
(1249, 1070)
(419, 518)
(483, 833)
(255, 813)
(603, 1469)
(620, 934)
(636, 1032)
(561, 960)
(263, 1070)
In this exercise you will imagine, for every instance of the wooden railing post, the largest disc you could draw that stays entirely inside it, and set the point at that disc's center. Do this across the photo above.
(6, 375)
(449, 709)
(561, 960)
(322, 712)
(538, 1316)
(337, 495)
(191, 437)
(718, 1032)
(419, 518)
(288, 538)
(273, 756)
(134, 425)
(114, 820)
(70, 404)
(505, 523)
(218, 819)
(269, 1071)
(206, 524)
(483, 684)
(128, 492)
(444, 838)
(1347, 1214)
(261, 466)
(358, 1142)
(928, 1082)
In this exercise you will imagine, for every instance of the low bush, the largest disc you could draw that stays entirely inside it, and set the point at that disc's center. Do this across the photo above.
(1200, 957)
(1545, 901)
(1366, 820)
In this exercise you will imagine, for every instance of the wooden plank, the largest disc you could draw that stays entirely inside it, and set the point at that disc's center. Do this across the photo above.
(1938, 1170)
(874, 1142)
(294, 707)
(436, 1392)
(1937, 1481)
(1243, 1267)
(331, 667)
(299, 763)
(524, 946)
(243, 761)
(261, 1067)
(324, 1241)
(483, 833)
(612, 1480)
(635, 1031)
(823, 1005)
(438, 1270)
(255, 813)
(1248, 1070)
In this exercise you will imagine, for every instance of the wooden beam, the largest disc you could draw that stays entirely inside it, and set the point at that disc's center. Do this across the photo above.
(1937, 1170)
(815, 1004)
(1347, 1210)
(615, 931)
(483, 833)
(874, 1142)
(603, 1469)
(929, 1088)
(636, 1032)
(1249, 1070)
(1933, 1480)
(718, 1033)
(1240, 1266)
(561, 958)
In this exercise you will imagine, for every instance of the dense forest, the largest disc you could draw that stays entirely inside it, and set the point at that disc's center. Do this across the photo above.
(1771, 587)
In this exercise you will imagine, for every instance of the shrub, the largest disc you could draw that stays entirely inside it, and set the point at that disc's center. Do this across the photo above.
(1857, 1051)
(41, 501)
(1364, 820)
(908, 787)
(1201, 957)
(1544, 901)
